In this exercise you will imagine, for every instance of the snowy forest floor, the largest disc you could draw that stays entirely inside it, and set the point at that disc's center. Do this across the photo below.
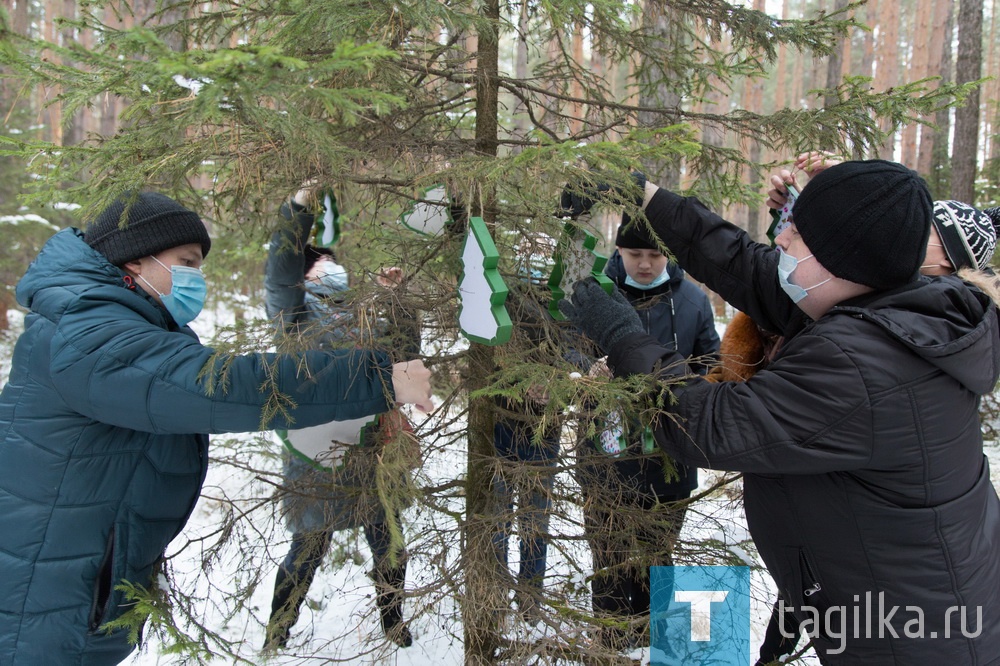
(338, 623)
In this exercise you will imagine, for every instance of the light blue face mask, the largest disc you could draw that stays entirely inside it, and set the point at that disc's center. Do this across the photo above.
(786, 265)
(660, 279)
(187, 293)
(331, 282)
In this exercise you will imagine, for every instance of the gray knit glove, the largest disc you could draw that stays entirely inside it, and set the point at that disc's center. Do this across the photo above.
(602, 318)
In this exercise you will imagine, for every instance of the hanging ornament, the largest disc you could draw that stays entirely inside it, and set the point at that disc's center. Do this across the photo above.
(327, 230)
(482, 315)
(575, 259)
(432, 214)
(782, 218)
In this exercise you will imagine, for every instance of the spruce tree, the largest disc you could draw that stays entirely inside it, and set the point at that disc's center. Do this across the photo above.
(231, 107)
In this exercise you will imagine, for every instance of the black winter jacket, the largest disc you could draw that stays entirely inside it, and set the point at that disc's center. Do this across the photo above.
(865, 474)
(678, 314)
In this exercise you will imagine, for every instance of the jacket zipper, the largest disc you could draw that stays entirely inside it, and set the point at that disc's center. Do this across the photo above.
(815, 586)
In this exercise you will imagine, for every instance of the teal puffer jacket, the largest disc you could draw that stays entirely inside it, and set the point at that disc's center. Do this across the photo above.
(103, 445)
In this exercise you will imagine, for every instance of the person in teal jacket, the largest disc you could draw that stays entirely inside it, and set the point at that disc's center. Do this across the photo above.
(105, 417)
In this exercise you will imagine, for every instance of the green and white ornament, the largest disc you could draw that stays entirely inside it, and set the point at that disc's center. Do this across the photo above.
(575, 259)
(431, 215)
(482, 293)
(327, 219)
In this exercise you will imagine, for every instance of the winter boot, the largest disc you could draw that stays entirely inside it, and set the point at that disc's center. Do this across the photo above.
(389, 582)
(291, 584)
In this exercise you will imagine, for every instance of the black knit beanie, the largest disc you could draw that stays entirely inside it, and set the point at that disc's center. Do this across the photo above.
(635, 235)
(312, 254)
(154, 223)
(866, 221)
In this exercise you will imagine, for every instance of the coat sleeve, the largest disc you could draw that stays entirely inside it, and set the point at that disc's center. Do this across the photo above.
(785, 420)
(114, 366)
(283, 275)
(723, 257)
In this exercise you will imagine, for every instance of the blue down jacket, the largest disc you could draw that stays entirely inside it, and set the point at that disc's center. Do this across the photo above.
(865, 480)
(103, 448)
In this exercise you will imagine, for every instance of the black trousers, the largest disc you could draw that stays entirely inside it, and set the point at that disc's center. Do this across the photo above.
(298, 569)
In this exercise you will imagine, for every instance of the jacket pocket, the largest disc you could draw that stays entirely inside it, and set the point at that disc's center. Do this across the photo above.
(109, 574)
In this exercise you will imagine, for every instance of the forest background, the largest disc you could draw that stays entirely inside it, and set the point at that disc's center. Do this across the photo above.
(231, 106)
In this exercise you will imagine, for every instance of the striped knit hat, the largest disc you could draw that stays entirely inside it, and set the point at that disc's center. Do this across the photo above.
(968, 235)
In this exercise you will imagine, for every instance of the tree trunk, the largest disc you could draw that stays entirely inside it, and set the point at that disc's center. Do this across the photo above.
(485, 596)
(939, 62)
(993, 129)
(940, 171)
(654, 91)
(576, 90)
(887, 69)
(521, 73)
(835, 62)
(868, 55)
(920, 37)
(968, 67)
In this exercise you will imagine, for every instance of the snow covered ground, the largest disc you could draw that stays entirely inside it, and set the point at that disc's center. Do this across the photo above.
(338, 624)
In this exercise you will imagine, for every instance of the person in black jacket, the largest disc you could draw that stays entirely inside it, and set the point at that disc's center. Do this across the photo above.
(864, 473)
(633, 499)
(962, 240)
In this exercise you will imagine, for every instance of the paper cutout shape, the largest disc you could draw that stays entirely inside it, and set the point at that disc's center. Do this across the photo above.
(482, 315)
(328, 219)
(324, 446)
(782, 218)
(431, 216)
(575, 259)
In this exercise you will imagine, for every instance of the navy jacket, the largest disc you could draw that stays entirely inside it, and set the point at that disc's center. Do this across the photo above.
(860, 444)
(103, 445)
(679, 315)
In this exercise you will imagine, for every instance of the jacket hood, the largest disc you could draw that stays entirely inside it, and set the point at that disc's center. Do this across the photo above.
(945, 321)
(616, 271)
(67, 269)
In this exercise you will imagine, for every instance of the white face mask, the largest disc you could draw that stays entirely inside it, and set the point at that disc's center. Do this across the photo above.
(947, 267)
(786, 266)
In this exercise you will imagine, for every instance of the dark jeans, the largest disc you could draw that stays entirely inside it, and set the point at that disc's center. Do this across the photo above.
(624, 544)
(297, 571)
(525, 479)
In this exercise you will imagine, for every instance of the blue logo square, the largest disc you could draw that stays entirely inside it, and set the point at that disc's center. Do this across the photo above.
(699, 616)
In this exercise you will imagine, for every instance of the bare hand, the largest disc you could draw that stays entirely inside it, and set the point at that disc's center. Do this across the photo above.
(411, 382)
(390, 277)
(817, 160)
(777, 196)
(306, 195)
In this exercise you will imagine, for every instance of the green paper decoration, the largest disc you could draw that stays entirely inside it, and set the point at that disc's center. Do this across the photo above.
(482, 315)
(575, 259)
(782, 218)
(328, 219)
(429, 219)
(325, 446)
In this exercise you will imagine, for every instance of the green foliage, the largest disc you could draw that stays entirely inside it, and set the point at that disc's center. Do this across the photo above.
(232, 106)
